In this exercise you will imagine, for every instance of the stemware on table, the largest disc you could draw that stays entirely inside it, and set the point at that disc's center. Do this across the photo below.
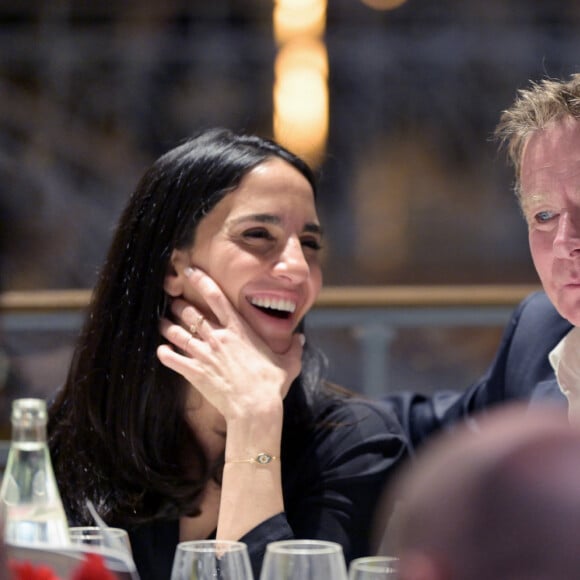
(304, 560)
(94, 536)
(211, 559)
(373, 568)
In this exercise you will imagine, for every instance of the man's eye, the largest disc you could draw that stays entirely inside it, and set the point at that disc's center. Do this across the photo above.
(543, 216)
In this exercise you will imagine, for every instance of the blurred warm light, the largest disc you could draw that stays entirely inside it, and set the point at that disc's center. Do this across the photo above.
(383, 4)
(298, 18)
(301, 99)
(302, 54)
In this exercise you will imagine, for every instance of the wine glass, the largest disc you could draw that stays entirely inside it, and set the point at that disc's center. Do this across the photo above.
(93, 536)
(211, 559)
(373, 568)
(303, 560)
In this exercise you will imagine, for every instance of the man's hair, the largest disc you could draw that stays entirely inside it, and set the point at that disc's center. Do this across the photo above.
(543, 102)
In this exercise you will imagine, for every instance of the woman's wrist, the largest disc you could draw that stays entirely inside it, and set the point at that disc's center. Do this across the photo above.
(262, 458)
(248, 437)
(258, 408)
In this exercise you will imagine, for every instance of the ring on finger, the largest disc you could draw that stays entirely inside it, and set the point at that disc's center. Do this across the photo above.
(193, 329)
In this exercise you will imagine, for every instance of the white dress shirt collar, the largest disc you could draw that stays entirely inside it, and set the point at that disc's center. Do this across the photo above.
(565, 360)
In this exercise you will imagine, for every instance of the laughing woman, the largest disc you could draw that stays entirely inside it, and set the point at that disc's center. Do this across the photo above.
(193, 407)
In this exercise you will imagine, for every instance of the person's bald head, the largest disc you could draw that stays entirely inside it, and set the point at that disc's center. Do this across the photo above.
(502, 502)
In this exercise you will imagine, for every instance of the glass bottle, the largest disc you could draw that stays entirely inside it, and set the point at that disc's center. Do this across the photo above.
(30, 504)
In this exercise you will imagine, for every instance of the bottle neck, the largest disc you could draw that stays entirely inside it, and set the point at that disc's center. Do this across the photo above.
(30, 432)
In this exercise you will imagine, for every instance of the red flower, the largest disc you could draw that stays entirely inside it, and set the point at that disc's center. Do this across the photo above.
(92, 568)
(26, 571)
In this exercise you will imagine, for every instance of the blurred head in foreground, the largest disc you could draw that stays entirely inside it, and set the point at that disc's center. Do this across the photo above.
(503, 502)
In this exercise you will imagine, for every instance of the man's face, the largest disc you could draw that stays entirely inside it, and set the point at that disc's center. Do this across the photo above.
(550, 195)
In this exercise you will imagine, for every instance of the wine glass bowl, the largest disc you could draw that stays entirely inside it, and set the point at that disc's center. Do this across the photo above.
(373, 568)
(93, 536)
(211, 559)
(303, 560)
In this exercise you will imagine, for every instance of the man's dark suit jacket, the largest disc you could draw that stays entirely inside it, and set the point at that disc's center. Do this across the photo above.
(521, 371)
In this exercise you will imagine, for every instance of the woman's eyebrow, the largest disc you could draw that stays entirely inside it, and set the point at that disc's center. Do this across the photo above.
(267, 218)
(313, 228)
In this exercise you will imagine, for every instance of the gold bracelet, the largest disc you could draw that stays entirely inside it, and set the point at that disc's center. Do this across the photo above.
(262, 459)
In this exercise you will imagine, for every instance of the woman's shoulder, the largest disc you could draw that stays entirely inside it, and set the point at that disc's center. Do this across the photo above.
(344, 428)
(352, 439)
(346, 411)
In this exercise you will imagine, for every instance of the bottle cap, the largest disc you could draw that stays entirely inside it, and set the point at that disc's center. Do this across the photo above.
(29, 410)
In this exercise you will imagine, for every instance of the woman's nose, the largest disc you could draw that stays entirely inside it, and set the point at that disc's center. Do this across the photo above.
(292, 263)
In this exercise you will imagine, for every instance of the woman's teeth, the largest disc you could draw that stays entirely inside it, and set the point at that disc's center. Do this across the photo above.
(274, 304)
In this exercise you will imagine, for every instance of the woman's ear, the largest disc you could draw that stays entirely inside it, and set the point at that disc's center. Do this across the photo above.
(174, 277)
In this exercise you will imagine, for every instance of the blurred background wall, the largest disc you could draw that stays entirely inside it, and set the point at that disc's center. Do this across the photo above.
(399, 100)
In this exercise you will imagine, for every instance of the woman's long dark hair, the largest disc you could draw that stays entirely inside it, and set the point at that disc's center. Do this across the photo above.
(117, 431)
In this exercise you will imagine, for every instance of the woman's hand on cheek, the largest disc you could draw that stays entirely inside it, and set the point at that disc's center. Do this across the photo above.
(224, 359)
(227, 318)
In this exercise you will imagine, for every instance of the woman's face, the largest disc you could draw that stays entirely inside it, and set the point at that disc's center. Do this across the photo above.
(261, 245)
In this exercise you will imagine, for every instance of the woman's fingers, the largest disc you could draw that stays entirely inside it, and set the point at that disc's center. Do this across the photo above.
(213, 295)
(186, 360)
(221, 315)
(176, 334)
(191, 319)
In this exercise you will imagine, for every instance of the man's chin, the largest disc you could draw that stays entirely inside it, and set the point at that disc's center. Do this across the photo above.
(567, 304)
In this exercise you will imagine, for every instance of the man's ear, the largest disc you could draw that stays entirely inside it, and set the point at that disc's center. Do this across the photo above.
(174, 277)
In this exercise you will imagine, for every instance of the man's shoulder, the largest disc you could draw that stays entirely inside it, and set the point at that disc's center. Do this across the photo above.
(537, 329)
(536, 310)
(538, 302)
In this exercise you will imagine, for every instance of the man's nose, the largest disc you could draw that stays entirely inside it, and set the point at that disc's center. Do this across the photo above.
(567, 240)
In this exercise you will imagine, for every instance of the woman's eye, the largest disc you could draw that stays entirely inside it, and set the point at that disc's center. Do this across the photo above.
(258, 233)
(311, 243)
